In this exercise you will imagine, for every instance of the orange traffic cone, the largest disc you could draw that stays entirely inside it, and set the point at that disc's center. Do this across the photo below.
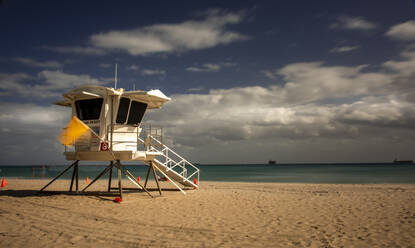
(87, 180)
(195, 182)
(138, 179)
(3, 183)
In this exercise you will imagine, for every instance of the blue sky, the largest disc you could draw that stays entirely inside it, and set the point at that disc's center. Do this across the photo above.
(298, 81)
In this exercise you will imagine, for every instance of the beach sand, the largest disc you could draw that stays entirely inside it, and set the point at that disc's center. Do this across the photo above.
(220, 214)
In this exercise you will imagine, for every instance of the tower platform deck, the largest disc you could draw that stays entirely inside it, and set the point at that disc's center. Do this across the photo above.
(111, 156)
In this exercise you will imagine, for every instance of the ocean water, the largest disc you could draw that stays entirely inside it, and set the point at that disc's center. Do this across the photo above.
(284, 173)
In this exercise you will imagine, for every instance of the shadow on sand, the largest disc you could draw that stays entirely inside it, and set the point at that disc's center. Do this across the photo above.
(37, 193)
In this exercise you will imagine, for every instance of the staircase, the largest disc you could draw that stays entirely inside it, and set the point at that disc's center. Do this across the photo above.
(172, 164)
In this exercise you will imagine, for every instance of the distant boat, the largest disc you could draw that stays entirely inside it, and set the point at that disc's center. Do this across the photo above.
(272, 162)
(395, 161)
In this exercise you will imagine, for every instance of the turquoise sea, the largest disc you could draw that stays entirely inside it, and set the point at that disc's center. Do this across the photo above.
(284, 173)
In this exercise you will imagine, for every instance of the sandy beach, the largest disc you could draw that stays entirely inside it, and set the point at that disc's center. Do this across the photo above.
(220, 214)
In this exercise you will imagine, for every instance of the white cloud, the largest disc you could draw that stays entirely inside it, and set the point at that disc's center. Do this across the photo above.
(196, 89)
(353, 23)
(103, 65)
(210, 31)
(402, 73)
(404, 31)
(208, 67)
(34, 63)
(224, 116)
(76, 50)
(29, 131)
(149, 72)
(352, 106)
(344, 49)
(146, 72)
(45, 85)
(133, 68)
(10, 83)
(314, 81)
(60, 80)
(18, 115)
(379, 110)
(185, 36)
(229, 64)
(269, 74)
(211, 67)
(404, 68)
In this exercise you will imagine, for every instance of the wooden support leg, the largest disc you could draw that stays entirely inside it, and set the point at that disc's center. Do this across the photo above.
(148, 174)
(73, 177)
(98, 177)
(130, 176)
(63, 172)
(171, 180)
(119, 178)
(155, 176)
(77, 177)
(110, 177)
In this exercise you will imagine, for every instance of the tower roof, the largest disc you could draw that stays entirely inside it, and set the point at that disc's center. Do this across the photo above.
(153, 98)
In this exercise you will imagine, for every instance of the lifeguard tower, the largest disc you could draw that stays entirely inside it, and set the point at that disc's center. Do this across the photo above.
(114, 117)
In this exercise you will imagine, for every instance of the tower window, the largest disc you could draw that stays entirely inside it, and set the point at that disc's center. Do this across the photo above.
(133, 109)
(137, 110)
(89, 109)
(123, 110)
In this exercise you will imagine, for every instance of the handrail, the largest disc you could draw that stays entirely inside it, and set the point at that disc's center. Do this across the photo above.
(181, 163)
(169, 149)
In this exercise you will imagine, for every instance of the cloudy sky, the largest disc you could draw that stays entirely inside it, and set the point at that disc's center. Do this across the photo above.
(293, 81)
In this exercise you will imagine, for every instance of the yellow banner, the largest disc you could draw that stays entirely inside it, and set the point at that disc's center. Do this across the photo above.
(75, 129)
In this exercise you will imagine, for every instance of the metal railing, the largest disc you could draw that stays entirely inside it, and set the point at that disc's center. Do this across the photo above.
(173, 161)
(114, 140)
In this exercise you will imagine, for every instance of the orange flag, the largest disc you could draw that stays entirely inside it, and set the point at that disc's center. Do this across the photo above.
(75, 129)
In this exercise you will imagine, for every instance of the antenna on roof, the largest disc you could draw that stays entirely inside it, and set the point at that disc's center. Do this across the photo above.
(115, 79)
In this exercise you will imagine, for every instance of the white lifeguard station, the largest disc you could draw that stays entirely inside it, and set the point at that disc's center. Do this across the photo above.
(114, 117)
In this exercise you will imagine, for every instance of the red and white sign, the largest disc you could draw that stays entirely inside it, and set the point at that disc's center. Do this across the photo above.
(104, 146)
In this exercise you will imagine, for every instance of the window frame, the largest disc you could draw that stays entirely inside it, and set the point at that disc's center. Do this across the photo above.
(126, 114)
(140, 112)
(77, 108)
(127, 117)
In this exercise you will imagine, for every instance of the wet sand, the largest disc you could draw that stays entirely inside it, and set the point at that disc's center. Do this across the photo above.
(220, 214)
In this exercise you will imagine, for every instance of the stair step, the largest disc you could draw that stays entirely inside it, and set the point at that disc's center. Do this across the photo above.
(166, 153)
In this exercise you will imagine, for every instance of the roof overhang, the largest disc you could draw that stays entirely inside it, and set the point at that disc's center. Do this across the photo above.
(64, 103)
(153, 98)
